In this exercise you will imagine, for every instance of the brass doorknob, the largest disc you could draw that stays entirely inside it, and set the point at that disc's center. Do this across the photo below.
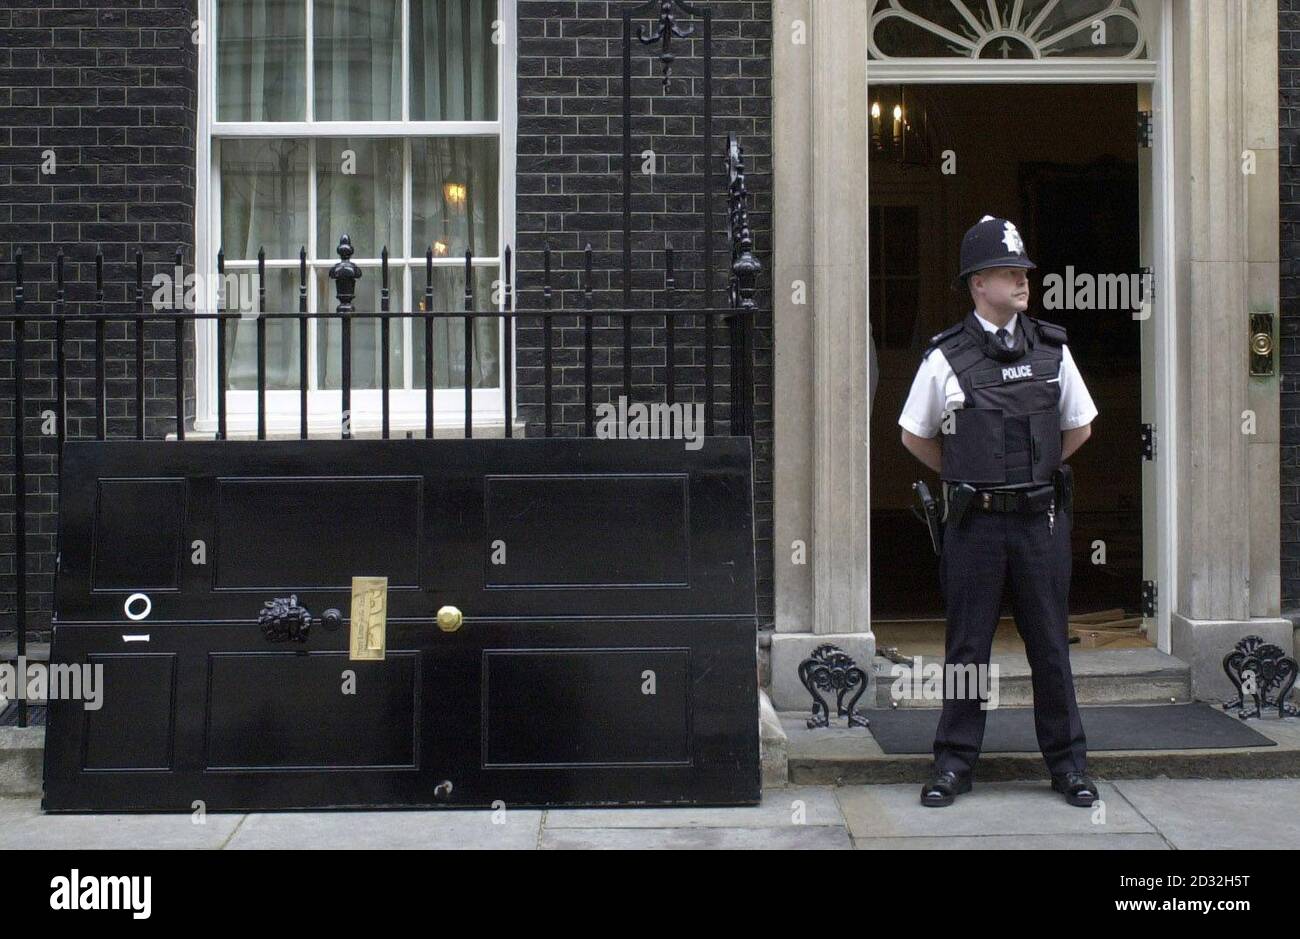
(449, 619)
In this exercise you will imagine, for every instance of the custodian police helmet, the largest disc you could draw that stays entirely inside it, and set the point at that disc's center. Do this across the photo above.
(992, 242)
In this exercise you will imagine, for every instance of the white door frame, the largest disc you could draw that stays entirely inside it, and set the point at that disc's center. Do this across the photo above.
(1157, 73)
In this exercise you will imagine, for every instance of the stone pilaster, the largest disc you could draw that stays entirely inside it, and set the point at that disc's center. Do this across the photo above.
(1225, 57)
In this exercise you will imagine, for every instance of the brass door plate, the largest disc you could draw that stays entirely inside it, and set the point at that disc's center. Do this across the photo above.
(369, 640)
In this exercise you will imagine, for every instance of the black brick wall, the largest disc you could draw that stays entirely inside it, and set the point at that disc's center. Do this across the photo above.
(570, 195)
(1289, 165)
(110, 88)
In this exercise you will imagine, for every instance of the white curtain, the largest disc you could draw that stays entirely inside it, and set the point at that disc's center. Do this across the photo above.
(357, 59)
(359, 193)
(263, 206)
(455, 208)
(261, 60)
(449, 334)
(453, 60)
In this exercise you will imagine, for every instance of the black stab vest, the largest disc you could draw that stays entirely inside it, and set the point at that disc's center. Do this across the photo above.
(1008, 432)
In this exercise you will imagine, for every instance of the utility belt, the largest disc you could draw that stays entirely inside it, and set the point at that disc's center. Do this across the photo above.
(960, 498)
(1036, 499)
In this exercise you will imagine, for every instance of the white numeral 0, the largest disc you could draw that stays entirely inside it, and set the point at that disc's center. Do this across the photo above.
(136, 617)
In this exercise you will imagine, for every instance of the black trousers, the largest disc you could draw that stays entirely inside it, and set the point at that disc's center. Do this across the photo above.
(1016, 552)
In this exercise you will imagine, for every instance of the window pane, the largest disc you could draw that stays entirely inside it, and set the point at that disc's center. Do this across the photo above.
(366, 363)
(453, 60)
(263, 197)
(357, 60)
(261, 60)
(281, 335)
(359, 193)
(449, 334)
(454, 201)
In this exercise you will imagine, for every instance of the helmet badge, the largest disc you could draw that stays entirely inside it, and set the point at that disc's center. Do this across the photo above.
(1011, 238)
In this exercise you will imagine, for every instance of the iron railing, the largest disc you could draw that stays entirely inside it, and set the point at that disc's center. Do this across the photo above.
(737, 318)
(148, 325)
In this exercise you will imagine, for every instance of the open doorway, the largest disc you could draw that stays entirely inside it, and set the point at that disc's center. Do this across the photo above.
(1063, 162)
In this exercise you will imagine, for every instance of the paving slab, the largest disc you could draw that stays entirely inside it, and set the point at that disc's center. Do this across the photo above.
(997, 808)
(779, 809)
(514, 829)
(24, 827)
(1117, 842)
(791, 837)
(1245, 814)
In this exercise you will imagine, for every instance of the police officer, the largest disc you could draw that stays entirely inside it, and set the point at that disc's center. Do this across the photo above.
(995, 408)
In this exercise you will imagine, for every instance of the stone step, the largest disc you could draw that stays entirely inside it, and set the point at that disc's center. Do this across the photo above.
(22, 754)
(1112, 676)
(841, 756)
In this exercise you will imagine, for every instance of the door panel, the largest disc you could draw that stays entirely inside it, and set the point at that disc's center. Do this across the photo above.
(607, 651)
(496, 527)
(529, 713)
(374, 524)
(586, 707)
(259, 718)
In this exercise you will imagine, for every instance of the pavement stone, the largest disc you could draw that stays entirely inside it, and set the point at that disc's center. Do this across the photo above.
(1245, 814)
(517, 829)
(991, 808)
(24, 826)
(1129, 841)
(1158, 814)
(778, 809)
(812, 837)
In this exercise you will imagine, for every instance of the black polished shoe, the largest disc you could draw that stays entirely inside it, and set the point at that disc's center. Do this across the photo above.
(943, 788)
(1077, 787)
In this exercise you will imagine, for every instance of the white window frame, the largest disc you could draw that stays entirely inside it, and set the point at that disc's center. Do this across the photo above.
(407, 404)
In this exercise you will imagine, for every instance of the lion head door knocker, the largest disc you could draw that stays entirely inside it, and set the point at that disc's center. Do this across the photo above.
(283, 620)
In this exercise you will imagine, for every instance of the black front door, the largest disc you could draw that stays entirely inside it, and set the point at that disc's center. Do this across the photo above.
(605, 652)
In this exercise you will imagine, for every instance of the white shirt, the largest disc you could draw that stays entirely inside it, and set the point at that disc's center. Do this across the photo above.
(935, 390)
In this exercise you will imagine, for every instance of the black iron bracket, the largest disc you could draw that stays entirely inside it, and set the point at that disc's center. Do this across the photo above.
(664, 32)
(1264, 673)
(831, 669)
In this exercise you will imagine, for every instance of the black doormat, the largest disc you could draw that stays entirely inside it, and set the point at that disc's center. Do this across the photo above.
(35, 715)
(1110, 727)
